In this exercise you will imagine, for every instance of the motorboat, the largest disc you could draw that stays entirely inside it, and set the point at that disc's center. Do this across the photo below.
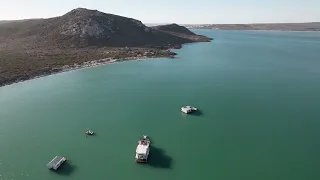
(188, 109)
(89, 132)
(142, 151)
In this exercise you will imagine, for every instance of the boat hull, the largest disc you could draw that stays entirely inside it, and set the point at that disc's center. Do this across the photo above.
(141, 160)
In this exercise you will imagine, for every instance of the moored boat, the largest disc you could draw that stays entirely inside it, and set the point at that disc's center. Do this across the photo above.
(56, 162)
(188, 109)
(142, 151)
(89, 132)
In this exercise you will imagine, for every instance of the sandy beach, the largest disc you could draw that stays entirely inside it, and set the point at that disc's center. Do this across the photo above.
(88, 64)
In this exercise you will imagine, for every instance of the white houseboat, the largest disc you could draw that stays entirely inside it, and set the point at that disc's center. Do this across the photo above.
(142, 151)
(188, 109)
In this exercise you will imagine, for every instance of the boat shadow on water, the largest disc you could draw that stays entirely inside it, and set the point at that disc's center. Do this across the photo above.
(195, 113)
(159, 159)
(88, 136)
(66, 169)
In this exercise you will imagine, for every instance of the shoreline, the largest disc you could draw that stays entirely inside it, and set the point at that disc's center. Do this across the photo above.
(270, 30)
(85, 65)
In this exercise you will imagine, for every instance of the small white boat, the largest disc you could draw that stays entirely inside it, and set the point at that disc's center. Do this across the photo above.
(89, 132)
(142, 151)
(188, 109)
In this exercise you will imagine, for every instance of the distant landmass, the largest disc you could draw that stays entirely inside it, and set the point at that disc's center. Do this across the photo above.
(81, 38)
(181, 31)
(156, 24)
(312, 26)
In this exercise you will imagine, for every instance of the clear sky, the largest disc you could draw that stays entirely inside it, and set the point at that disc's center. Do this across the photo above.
(173, 11)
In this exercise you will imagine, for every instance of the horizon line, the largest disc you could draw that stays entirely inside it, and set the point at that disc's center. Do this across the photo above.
(152, 23)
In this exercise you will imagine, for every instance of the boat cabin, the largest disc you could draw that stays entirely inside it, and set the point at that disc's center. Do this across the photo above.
(142, 152)
(188, 109)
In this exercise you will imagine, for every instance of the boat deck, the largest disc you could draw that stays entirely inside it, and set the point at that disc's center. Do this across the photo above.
(56, 162)
(188, 109)
(144, 141)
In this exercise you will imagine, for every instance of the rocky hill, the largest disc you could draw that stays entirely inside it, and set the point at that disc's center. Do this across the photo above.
(174, 28)
(181, 31)
(34, 47)
(81, 28)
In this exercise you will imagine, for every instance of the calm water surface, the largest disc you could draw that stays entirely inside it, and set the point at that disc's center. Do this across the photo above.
(258, 92)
